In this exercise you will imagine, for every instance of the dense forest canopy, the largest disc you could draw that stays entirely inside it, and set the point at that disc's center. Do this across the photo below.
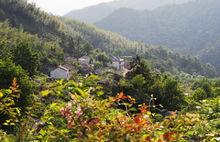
(28, 50)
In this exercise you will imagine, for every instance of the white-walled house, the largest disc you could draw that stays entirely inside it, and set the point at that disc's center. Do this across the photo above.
(60, 73)
(84, 60)
(117, 63)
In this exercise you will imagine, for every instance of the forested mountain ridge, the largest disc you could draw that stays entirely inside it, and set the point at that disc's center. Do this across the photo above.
(48, 27)
(189, 28)
(62, 31)
(97, 12)
(21, 14)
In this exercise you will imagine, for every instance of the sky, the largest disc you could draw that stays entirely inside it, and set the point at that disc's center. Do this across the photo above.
(61, 7)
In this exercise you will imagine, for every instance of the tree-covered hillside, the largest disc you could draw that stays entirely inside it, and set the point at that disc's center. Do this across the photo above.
(28, 51)
(190, 28)
(62, 31)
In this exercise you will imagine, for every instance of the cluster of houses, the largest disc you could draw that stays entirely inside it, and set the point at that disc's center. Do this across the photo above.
(62, 72)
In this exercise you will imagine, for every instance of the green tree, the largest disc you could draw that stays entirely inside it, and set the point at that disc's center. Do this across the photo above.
(141, 83)
(5, 52)
(78, 47)
(199, 94)
(26, 58)
(101, 57)
(205, 85)
(172, 94)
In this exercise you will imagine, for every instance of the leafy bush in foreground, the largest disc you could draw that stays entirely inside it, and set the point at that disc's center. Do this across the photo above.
(70, 111)
(84, 117)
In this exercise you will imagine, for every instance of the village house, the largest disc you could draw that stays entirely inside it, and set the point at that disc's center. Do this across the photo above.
(84, 60)
(117, 63)
(60, 73)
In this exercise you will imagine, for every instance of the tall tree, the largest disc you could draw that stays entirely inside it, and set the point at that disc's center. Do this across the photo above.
(78, 47)
(26, 58)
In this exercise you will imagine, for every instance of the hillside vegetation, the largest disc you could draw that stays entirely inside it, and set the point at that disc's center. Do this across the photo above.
(190, 28)
(62, 31)
(64, 110)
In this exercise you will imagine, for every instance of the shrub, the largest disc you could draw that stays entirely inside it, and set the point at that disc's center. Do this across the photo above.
(9, 71)
(9, 112)
(199, 94)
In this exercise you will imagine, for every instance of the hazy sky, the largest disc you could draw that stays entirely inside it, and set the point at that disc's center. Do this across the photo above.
(61, 7)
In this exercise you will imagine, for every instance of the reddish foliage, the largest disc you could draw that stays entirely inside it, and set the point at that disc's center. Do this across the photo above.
(79, 111)
(92, 122)
(143, 108)
(67, 113)
(138, 119)
(148, 139)
(169, 136)
(121, 96)
(140, 122)
(14, 87)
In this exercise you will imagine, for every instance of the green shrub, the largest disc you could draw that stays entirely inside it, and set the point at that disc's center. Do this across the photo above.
(199, 94)
(9, 71)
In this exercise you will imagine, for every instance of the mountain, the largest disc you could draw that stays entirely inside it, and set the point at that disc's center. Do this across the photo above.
(57, 31)
(144, 4)
(188, 28)
(91, 14)
(97, 12)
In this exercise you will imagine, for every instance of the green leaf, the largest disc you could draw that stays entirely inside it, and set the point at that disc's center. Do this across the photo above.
(17, 110)
(45, 93)
(60, 82)
(81, 92)
(12, 124)
(1, 94)
(42, 132)
(100, 93)
(8, 91)
(5, 124)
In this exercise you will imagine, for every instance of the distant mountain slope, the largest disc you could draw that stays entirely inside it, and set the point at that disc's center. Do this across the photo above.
(211, 54)
(91, 14)
(189, 28)
(97, 12)
(144, 4)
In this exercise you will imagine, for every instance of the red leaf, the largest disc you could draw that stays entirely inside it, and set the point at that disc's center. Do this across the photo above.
(93, 121)
(143, 109)
(121, 96)
(169, 136)
(137, 119)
